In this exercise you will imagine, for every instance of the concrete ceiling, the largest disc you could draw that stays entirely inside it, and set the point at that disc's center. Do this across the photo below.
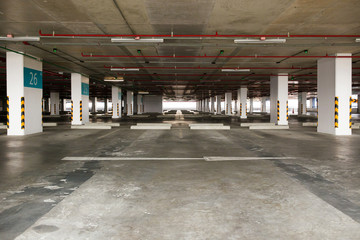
(186, 17)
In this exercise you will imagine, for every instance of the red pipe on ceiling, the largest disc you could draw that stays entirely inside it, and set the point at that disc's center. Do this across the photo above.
(216, 75)
(199, 35)
(215, 68)
(205, 56)
(211, 68)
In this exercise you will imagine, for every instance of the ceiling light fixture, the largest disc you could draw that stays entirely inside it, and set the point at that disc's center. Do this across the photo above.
(137, 40)
(235, 70)
(143, 92)
(125, 69)
(114, 79)
(20, 39)
(357, 40)
(275, 40)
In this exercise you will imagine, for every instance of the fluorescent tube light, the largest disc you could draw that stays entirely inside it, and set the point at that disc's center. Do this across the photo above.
(133, 40)
(235, 70)
(275, 40)
(143, 92)
(20, 39)
(357, 40)
(125, 69)
(114, 79)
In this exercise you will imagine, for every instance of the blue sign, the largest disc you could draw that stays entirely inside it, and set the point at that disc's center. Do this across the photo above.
(119, 95)
(33, 78)
(85, 89)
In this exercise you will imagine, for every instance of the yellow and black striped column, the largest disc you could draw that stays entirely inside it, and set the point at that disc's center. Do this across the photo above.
(350, 113)
(287, 110)
(42, 110)
(278, 110)
(7, 115)
(117, 109)
(72, 110)
(80, 110)
(246, 109)
(336, 112)
(301, 108)
(22, 113)
(240, 109)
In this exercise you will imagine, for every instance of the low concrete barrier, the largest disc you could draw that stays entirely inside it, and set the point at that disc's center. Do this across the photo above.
(257, 124)
(103, 124)
(309, 124)
(205, 124)
(276, 127)
(154, 124)
(49, 124)
(209, 127)
(89, 127)
(150, 127)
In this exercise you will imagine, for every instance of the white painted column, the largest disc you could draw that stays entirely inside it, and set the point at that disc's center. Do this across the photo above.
(24, 87)
(130, 103)
(302, 103)
(212, 105)
(279, 99)
(263, 104)
(251, 105)
(64, 104)
(116, 101)
(197, 105)
(207, 105)
(334, 86)
(79, 99)
(228, 99)
(54, 103)
(140, 108)
(218, 104)
(94, 104)
(243, 102)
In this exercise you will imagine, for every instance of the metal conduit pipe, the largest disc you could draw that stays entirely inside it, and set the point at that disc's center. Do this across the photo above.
(216, 35)
(205, 56)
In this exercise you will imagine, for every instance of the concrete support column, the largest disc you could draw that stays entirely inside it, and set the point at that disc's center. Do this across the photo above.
(279, 99)
(302, 103)
(251, 105)
(54, 103)
(313, 102)
(334, 87)
(197, 105)
(212, 105)
(116, 101)
(130, 103)
(207, 105)
(105, 105)
(140, 105)
(64, 104)
(228, 107)
(93, 104)
(24, 88)
(263, 104)
(79, 99)
(218, 104)
(242, 99)
(358, 104)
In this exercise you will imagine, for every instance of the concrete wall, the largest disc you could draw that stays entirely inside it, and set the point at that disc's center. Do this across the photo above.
(153, 103)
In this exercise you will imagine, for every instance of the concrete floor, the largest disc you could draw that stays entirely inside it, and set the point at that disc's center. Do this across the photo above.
(308, 189)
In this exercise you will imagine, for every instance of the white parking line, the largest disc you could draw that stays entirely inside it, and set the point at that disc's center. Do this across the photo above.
(209, 159)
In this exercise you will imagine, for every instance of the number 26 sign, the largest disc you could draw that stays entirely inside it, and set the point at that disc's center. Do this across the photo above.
(33, 78)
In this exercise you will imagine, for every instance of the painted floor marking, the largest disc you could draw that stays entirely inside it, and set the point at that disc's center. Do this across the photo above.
(210, 159)
(245, 158)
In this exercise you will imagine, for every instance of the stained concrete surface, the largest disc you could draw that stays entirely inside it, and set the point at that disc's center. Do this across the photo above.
(314, 196)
